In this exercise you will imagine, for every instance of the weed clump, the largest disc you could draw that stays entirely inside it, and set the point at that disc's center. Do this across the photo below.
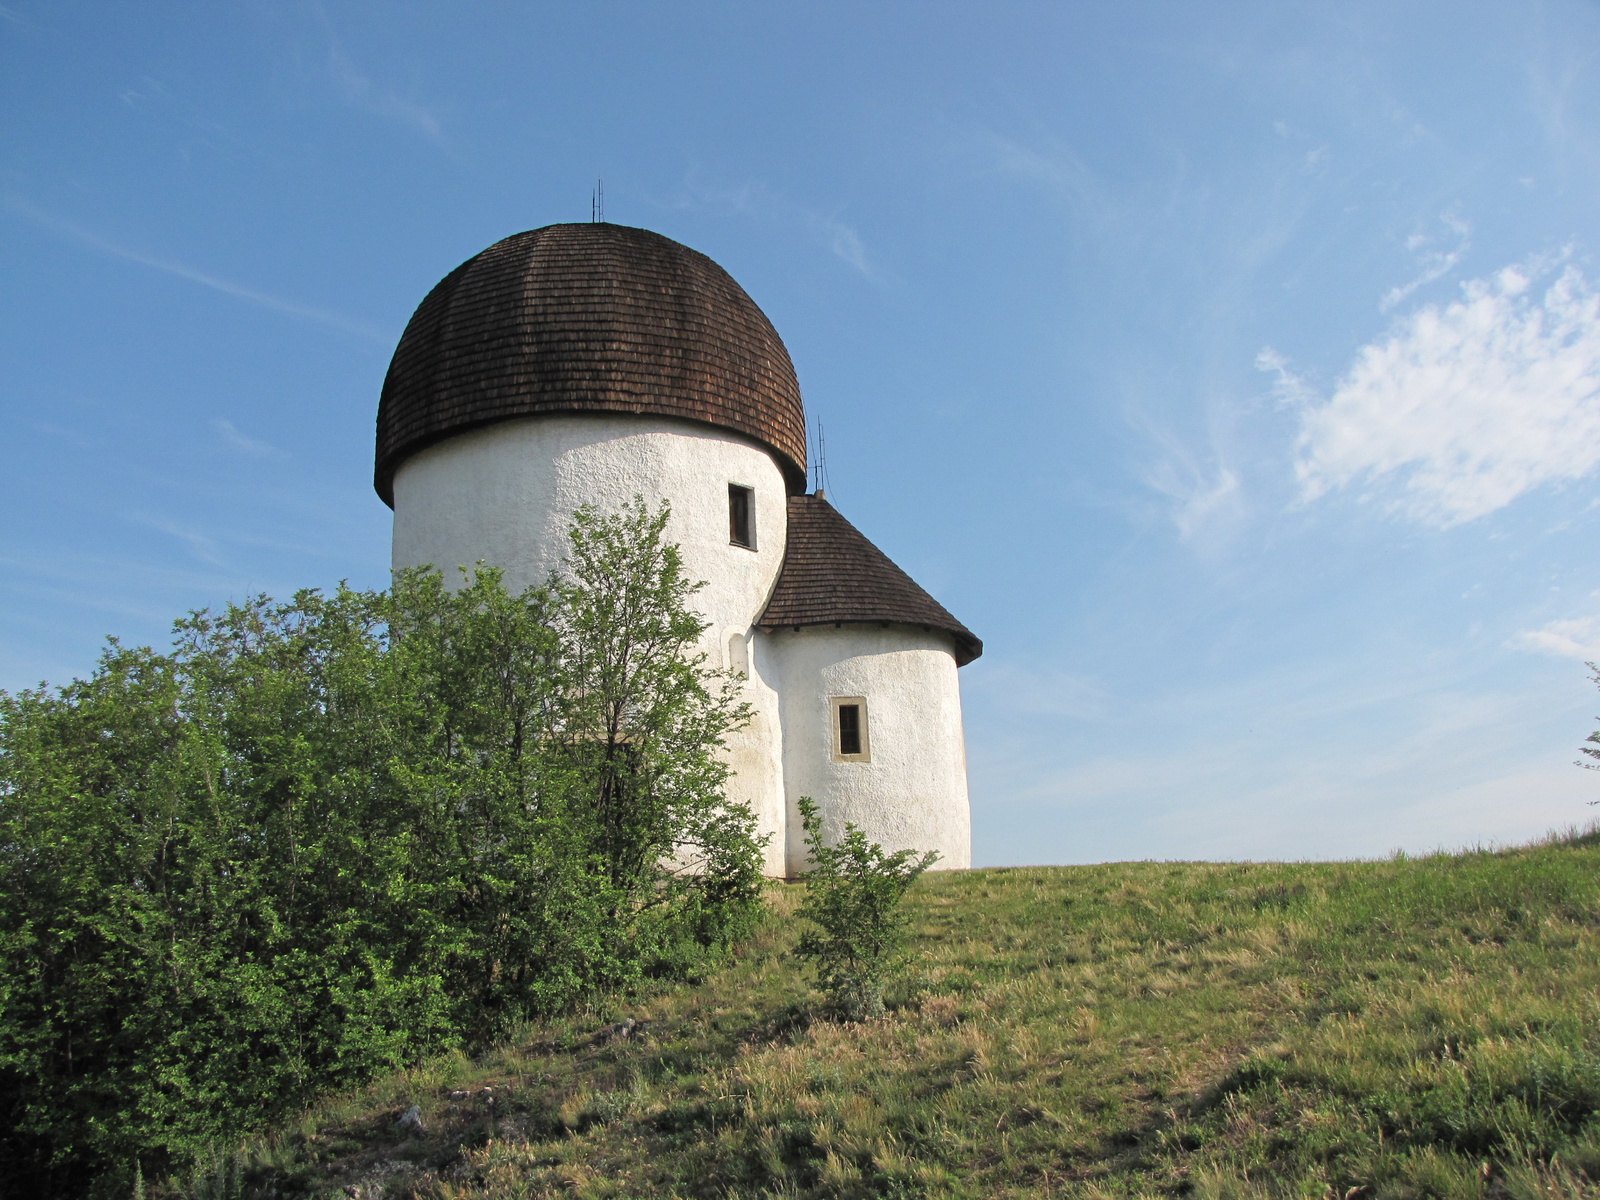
(853, 895)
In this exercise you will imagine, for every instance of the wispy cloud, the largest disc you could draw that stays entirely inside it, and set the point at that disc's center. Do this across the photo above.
(1460, 409)
(123, 586)
(1578, 638)
(1207, 499)
(1205, 495)
(1558, 73)
(1056, 166)
(1042, 692)
(72, 437)
(1288, 388)
(1433, 262)
(844, 242)
(200, 546)
(245, 445)
(156, 98)
(359, 89)
(758, 200)
(1255, 768)
(77, 233)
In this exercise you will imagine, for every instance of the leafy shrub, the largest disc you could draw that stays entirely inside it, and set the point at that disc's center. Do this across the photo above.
(323, 837)
(853, 894)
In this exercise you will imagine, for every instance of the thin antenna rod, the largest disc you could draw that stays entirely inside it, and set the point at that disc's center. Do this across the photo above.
(597, 203)
(822, 461)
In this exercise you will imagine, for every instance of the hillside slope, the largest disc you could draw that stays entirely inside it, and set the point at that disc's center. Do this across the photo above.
(1424, 1027)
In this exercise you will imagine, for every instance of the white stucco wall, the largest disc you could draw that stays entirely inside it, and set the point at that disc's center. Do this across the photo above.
(913, 792)
(505, 495)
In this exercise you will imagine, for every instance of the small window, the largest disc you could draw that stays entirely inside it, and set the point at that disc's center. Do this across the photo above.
(850, 729)
(741, 516)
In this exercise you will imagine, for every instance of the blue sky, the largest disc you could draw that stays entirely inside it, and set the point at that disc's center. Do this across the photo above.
(1233, 370)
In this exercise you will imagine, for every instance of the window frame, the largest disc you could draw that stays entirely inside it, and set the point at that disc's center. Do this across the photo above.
(835, 736)
(749, 496)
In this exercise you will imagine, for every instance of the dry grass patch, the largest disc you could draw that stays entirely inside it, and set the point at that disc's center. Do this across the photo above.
(1396, 1029)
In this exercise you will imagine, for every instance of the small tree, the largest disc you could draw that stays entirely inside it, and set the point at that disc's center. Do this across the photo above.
(643, 722)
(853, 894)
(323, 837)
(1593, 752)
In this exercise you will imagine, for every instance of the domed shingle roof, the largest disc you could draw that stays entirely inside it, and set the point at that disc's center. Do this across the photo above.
(832, 575)
(588, 318)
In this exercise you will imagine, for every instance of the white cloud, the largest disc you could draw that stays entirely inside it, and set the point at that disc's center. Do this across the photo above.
(1434, 263)
(72, 437)
(1042, 691)
(1290, 390)
(1286, 764)
(243, 443)
(78, 233)
(1577, 638)
(844, 242)
(758, 200)
(1068, 180)
(362, 92)
(1202, 502)
(1461, 409)
(1205, 494)
(201, 546)
(1058, 167)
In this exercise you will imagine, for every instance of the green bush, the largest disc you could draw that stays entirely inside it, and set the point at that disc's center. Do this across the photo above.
(853, 894)
(321, 838)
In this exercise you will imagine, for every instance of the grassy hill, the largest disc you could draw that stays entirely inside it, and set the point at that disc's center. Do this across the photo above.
(1412, 1027)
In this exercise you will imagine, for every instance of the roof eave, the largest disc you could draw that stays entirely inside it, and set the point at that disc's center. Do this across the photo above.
(965, 646)
(794, 474)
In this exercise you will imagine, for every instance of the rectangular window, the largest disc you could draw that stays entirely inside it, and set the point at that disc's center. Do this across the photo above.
(850, 729)
(741, 516)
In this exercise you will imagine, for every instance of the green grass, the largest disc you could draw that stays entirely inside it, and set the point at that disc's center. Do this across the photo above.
(1413, 1027)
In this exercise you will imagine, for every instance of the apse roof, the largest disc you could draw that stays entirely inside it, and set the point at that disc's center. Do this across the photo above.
(588, 318)
(833, 575)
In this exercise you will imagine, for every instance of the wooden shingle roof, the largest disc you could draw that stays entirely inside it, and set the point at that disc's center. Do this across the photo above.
(832, 575)
(588, 318)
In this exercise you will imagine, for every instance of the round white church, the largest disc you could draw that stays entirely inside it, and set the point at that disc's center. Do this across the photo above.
(589, 363)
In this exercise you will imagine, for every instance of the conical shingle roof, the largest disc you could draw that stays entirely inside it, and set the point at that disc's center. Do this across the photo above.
(588, 318)
(833, 575)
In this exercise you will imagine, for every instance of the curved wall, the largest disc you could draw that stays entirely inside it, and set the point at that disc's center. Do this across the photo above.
(912, 794)
(505, 495)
